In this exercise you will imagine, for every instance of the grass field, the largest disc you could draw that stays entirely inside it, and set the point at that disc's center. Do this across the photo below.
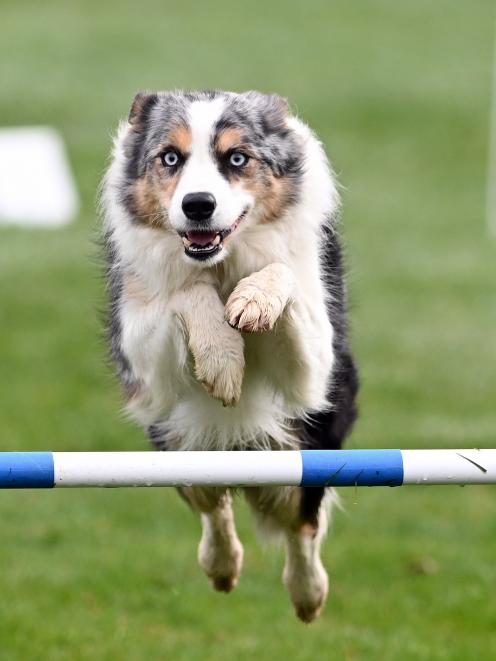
(400, 93)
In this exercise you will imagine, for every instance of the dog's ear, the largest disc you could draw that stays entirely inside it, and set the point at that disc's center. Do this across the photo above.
(267, 101)
(274, 109)
(142, 104)
(279, 102)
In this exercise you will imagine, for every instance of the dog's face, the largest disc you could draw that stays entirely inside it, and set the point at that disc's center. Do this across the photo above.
(209, 165)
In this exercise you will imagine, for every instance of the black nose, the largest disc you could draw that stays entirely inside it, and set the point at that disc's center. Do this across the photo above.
(198, 206)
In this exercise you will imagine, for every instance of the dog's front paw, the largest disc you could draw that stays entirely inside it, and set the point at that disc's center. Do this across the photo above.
(221, 381)
(220, 370)
(250, 309)
(258, 301)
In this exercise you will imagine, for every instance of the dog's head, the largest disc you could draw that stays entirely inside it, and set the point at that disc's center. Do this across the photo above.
(209, 165)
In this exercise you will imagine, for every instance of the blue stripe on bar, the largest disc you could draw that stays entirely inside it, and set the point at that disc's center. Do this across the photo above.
(23, 470)
(344, 468)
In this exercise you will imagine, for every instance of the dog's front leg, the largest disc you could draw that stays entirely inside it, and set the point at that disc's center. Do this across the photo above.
(258, 300)
(304, 335)
(217, 348)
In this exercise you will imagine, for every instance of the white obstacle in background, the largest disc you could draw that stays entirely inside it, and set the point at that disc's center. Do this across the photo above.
(36, 184)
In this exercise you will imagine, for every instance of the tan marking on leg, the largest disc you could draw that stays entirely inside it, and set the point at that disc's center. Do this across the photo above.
(220, 552)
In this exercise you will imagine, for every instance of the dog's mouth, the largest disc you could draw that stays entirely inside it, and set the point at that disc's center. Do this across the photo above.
(203, 244)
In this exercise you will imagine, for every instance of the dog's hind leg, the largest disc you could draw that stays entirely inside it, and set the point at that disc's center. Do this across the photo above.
(282, 510)
(220, 552)
(304, 574)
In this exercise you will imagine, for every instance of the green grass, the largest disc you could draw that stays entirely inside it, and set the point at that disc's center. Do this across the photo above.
(399, 92)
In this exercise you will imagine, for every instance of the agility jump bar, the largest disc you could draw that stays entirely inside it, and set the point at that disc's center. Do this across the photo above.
(309, 468)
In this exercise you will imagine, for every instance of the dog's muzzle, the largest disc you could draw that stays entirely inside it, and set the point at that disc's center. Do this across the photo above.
(201, 244)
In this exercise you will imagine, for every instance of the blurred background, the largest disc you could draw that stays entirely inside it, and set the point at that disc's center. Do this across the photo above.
(400, 94)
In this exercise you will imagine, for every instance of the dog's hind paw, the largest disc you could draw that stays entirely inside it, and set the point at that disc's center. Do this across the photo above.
(222, 566)
(308, 591)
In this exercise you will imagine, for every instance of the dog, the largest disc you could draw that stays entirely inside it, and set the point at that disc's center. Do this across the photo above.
(227, 306)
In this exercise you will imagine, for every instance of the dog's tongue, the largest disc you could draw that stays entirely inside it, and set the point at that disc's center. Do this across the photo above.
(201, 238)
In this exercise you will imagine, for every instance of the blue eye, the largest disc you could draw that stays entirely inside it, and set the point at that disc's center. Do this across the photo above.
(170, 159)
(237, 159)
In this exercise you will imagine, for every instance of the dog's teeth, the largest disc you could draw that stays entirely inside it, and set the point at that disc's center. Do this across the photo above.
(210, 248)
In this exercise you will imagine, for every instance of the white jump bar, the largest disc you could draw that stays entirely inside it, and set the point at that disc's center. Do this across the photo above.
(20, 470)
